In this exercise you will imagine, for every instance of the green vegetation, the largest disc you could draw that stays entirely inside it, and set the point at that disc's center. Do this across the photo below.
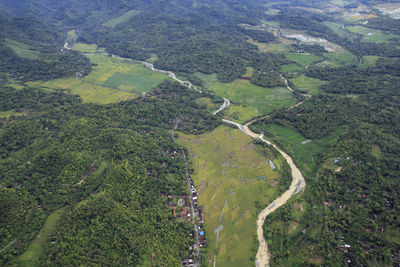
(35, 251)
(340, 59)
(124, 17)
(23, 50)
(88, 48)
(305, 151)
(120, 74)
(369, 61)
(90, 93)
(263, 99)
(110, 163)
(307, 84)
(224, 160)
(241, 113)
(372, 35)
(303, 59)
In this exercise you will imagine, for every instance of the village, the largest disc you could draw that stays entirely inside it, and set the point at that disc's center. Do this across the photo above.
(186, 207)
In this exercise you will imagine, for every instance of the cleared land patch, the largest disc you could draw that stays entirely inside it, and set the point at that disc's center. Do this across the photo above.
(34, 252)
(124, 17)
(22, 50)
(88, 48)
(372, 35)
(222, 159)
(307, 84)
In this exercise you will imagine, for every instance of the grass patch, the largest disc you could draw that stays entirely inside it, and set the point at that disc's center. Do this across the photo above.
(23, 50)
(224, 159)
(208, 79)
(135, 75)
(307, 84)
(9, 113)
(337, 28)
(138, 79)
(340, 59)
(372, 35)
(270, 47)
(304, 154)
(210, 105)
(32, 256)
(291, 68)
(303, 59)
(368, 61)
(124, 17)
(241, 113)
(88, 48)
(264, 100)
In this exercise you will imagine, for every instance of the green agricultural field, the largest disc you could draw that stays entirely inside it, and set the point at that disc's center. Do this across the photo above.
(124, 17)
(89, 92)
(264, 100)
(225, 160)
(293, 67)
(34, 252)
(304, 151)
(372, 35)
(307, 84)
(337, 28)
(88, 48)
(340, 59)
(111, 80)
(303, 59)
(127, 76)
(368, 61)
(241, 113)
(270, 47)
(22, 50)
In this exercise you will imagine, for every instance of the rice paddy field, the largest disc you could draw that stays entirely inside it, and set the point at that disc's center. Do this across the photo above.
(226, 160)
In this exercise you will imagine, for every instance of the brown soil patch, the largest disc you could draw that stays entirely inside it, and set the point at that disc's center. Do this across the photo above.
(299, 207)
(292, 227)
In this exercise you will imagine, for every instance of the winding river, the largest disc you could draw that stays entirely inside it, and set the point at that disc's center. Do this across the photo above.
(298, 182)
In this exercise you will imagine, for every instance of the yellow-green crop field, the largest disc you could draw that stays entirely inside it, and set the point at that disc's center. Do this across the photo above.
(224, 160)
(89, 92)
(111, 80)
